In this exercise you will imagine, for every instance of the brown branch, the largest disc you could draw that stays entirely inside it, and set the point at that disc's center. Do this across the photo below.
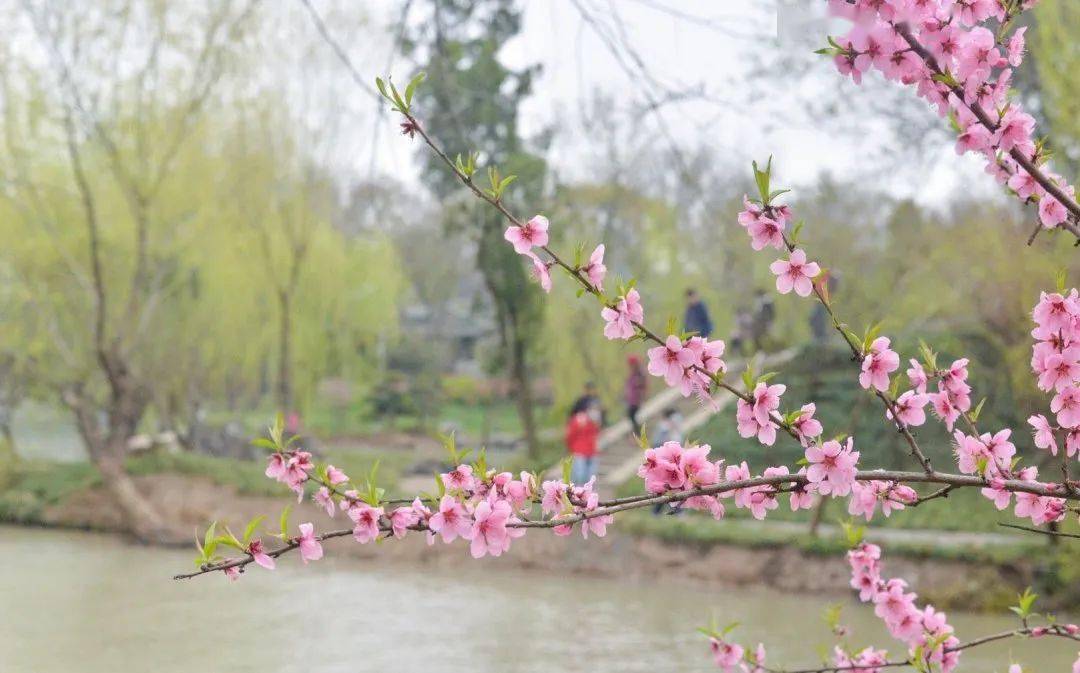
(1052, 533)
(1034, 171)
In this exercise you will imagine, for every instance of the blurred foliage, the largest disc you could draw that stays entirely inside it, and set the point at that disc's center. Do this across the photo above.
(1056, 55)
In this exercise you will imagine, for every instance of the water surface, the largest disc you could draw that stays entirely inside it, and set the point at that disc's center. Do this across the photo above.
(84, 603)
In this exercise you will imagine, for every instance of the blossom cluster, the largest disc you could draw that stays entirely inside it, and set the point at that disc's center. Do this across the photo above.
(925, 631)
(947, 51)
(953, 396)
(483, 507)
(1055, 359)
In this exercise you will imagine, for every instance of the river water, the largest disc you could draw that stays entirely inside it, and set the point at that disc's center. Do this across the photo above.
(84, 603)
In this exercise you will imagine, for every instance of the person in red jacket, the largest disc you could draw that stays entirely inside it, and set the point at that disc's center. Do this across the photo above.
(582, 431)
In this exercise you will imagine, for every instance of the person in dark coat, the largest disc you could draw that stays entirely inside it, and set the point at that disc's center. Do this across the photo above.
(634, 391)
(696, 318)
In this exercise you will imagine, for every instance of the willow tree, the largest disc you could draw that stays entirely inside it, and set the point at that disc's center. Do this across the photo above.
(103, 106)
(1057, 65)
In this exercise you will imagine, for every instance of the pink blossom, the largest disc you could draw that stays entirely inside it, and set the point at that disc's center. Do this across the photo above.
(878, 363)
(795, 273)
(552, 500)
(489, 533)
(670, 360)
(662, 468)
(909, 408)
(451, 521)
(1016, 47)
(597, 525)
(943, 408)
(259, 555)
(832, 467)
(310, 548)
(805, 425)
(1014, 129)
(1066, 404)
(977, 54)
(366, 519)
(700, 472)
(401, 518)
(532, 233)
(766, 231)
(748, 425)
(275, 467)
(595, 270)
(621, 319)
(727, 656)
(459, 479)
(1024, 184)
(541, 271)
(802, 496)
(1055, 311)
(1059, 370)
(1051, 211)
(335, 476)
(323, 499)
(765, 400)
(997, 493)
(974, 138)
(917, 376)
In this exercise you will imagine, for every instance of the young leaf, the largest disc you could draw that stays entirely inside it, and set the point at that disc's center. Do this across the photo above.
(285, 521)
(249, 530)
(410, 89)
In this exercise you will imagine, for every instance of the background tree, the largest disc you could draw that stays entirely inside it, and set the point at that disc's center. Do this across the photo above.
(476, 100)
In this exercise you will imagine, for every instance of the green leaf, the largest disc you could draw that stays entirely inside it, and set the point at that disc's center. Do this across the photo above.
(285, 521)
(381, 86)
(265, 443)
(249, 530)
(853, 532)
(831, 615)
(1062, 280)
(567, 464)
(410, 89)
(978, 410)
(210, 541)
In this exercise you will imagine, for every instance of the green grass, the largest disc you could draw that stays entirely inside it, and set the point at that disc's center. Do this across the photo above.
(36, 485)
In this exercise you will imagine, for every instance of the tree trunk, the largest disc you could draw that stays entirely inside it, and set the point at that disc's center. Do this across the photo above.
(284, 383)
(107, 445)
(140, 518)
(8, 455)
(519, 372)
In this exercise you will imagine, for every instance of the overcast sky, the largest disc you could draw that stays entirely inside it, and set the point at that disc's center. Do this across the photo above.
(715, 49)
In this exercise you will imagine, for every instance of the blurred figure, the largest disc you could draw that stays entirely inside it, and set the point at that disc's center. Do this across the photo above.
(764, 314)
(668, 428)
(590, 398)
(634, 391)
(696, 317)
(744, 330)
(292, 424)
(582, 431)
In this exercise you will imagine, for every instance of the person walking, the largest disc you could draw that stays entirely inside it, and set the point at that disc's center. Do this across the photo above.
(582, 432)
(634, 391)
(696, 318)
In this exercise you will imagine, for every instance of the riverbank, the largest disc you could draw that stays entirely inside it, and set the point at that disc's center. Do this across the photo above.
(680, 549)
